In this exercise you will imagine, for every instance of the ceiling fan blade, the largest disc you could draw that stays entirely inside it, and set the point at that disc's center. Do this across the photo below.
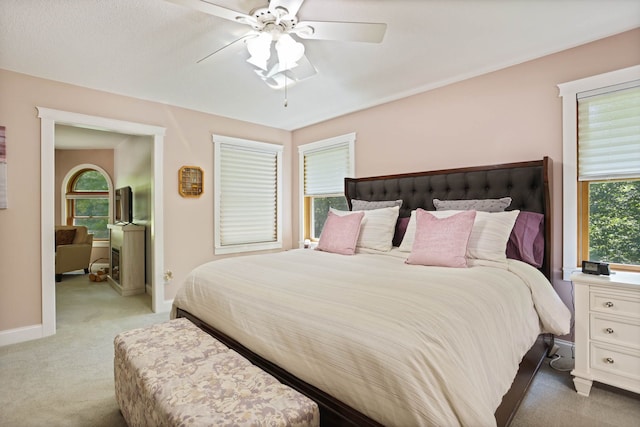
(250, 34)
(215, 10)
(304, 70)
(278, 79)
(344, 31)
(292, 6)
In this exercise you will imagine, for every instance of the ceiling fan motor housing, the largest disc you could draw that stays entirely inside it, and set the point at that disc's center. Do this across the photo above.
(278, 20)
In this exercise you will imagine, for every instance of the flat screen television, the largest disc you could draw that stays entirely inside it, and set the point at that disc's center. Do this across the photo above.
(124, 205)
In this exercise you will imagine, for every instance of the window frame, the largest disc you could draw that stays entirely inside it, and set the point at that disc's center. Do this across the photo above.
(571, 201)
(67, 201)
(306, 211)
(244, 144)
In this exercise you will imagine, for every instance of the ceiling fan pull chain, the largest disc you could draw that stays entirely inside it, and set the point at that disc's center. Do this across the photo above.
(286, 102)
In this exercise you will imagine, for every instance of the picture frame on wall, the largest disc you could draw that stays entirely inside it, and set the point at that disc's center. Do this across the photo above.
(190, 181)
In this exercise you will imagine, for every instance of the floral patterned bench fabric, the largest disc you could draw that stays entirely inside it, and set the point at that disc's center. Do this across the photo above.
(174, 374)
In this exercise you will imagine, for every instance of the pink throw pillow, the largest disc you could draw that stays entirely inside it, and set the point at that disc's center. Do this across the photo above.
(441, 241)
(340, 233)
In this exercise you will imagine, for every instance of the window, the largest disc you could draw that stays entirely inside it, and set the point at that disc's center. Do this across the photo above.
(324, 165)
(601, 170)
(248, 188)
(609, 172)
(610, 221)
(87, 202)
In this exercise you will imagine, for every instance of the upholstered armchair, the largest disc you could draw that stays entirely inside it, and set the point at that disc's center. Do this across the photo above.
(73, 249)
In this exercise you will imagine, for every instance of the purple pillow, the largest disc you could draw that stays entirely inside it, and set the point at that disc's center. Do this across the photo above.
(340, 233)
(526, 242)
(401, 229)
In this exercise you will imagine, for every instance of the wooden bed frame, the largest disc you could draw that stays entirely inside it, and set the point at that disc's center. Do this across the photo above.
(527, 183)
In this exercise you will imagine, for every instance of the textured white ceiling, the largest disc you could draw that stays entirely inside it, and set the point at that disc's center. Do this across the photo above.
(148, 49)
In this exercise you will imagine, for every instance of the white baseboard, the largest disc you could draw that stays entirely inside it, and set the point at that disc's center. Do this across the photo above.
(165, 306)
(17, 335)
(565, 343)
(565, 348)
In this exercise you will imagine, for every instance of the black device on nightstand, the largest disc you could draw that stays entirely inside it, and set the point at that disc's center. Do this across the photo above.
(595, 267)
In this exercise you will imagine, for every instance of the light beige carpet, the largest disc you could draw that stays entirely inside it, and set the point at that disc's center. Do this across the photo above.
(67, 379)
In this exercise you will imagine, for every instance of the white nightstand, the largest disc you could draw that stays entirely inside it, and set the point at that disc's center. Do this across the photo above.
(607, 331)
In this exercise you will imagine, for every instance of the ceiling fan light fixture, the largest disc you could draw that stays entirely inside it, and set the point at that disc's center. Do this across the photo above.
(260, 50)
(289, 52)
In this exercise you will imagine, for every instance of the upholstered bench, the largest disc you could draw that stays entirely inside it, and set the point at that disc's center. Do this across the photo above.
(174, 374)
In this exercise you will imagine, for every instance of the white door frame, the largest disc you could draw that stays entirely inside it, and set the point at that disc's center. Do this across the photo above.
(48, 119)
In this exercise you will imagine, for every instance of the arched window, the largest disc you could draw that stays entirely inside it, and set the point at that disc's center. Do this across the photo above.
(87, 199)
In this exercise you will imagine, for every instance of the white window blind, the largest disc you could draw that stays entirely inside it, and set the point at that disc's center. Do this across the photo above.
(609, 133)
(247, 195)
(326, 165)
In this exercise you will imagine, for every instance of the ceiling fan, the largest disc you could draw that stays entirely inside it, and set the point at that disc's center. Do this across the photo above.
(277, 56)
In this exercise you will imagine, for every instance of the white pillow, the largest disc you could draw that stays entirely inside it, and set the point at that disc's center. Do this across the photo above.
(409, 235)
(378, 227)
(489, 235)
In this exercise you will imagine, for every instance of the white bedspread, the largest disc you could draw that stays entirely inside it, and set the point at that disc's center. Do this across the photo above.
(406, 345)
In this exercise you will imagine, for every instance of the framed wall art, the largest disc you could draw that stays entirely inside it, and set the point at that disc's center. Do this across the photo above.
(190, 181)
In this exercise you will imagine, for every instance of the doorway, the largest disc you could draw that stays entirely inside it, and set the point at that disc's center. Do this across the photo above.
(49, 118)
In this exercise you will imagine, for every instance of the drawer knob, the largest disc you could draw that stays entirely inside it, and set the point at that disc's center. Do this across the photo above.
(609, 330)
(608, 304)
(609, 360)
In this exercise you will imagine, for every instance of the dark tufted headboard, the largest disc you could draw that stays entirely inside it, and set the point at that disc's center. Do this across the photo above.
(527, 183)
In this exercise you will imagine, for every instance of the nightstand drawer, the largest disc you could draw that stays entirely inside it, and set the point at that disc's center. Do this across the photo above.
(615, 330)
(616, 361)
(619, 303)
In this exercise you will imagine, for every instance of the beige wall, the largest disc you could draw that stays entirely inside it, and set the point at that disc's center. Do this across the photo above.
(505, 116)
(188, 232)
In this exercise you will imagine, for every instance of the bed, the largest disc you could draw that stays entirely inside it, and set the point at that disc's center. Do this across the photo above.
(375, 341)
